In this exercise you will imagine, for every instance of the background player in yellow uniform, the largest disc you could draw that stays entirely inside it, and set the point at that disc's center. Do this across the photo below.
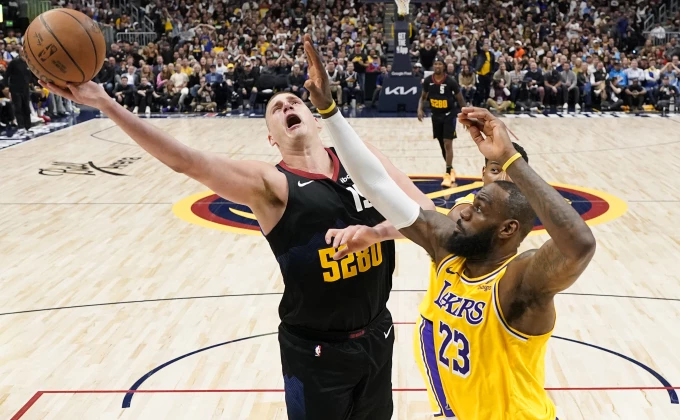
(488, 337)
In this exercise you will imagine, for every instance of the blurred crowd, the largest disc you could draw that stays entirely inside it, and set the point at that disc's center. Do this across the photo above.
(509, 55)
(558, 54)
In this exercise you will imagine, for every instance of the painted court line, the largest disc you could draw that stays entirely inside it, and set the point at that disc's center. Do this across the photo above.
(127, 399)
(39, 394)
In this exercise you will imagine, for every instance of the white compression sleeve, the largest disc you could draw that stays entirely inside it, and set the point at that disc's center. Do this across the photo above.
(370, 176)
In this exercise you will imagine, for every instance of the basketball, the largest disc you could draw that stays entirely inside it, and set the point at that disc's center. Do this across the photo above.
(64, 46)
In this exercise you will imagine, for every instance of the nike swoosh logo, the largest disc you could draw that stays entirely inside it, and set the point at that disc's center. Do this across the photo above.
(302, 184)
(387, 334)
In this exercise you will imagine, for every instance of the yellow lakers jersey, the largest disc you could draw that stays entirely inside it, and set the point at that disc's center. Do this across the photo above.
(475, 364)
(468, 199)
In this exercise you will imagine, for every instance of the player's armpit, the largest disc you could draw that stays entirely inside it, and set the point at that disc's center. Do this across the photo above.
(547, 271)
(431, 231)
(255, 184)
(532, 280)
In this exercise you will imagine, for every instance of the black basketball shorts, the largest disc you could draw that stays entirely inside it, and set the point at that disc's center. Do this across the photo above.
(444, 126)
(339, 378)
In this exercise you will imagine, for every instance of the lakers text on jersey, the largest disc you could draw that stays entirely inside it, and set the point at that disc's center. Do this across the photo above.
(475, 365)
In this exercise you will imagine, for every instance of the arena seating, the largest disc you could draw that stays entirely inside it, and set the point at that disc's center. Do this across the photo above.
(542, 56)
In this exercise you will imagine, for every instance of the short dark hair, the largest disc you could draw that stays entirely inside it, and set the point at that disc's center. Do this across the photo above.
(517, 207)
(519, 149)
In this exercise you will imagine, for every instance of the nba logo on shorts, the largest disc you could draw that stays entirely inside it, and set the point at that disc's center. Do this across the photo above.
(317, 351)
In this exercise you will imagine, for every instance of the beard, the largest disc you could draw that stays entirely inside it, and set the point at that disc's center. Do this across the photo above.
(470, 246)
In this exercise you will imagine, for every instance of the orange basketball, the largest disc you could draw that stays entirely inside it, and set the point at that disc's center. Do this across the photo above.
(64, 46)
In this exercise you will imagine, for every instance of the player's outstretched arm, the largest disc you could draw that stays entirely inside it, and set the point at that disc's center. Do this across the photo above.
(358, 237)
(244, 182)
(365, 168)
(537, 274)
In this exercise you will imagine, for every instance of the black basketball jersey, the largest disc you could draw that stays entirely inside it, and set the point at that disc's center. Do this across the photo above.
(322, 294)
(442, 96)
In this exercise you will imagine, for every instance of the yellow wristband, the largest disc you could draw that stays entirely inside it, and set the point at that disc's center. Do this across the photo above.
(509, 162)
(326, 111)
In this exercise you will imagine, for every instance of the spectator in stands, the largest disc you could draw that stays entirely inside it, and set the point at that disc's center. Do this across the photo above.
(485, 63)
(485, 33)
(427, 54)
(6, 108)
(123, 93)
(360, 62)
(194, 83)
(5, 55)
(618, 73)
(672, 70)
(553, 89)
(106, 76)
(535, 83)
(569, 85)
(584, 87)
(246, 82)
(163, 77)
(502, 73)
(516, 78)
(598, 84)
(220, 68)
(296, 83)
(417, 71)
(116, 53)
(666, 91)
(635, 94)
(131, 74)
(380, 80)
(467, 81)
(18, 78)
(143, 96)
(614, 100)
(499, 97)
(634, 72)
(205, 100)
(146, 72)
(335, 77)
(351, 90)
(213, 77)
(374, 62)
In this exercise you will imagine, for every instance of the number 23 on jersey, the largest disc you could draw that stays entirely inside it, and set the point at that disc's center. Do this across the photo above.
(454, 351)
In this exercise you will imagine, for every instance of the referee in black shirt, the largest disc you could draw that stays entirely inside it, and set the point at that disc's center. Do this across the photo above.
(18, 76)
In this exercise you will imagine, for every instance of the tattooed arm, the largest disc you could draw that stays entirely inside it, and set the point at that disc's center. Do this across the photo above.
(557, 264)
(532, 280)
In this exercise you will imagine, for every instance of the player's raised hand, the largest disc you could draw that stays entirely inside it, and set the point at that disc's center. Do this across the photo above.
(356, 238)
(488, 132)
(317, 84)
(90, 93)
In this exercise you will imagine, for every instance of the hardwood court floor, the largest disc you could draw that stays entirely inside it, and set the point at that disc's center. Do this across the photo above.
(139, 286)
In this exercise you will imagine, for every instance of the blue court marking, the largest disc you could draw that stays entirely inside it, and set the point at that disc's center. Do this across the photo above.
(671, 392)
(127, 400)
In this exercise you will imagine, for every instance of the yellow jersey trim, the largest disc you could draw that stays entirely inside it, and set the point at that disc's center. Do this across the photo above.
(474, 280)
(446, 260)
